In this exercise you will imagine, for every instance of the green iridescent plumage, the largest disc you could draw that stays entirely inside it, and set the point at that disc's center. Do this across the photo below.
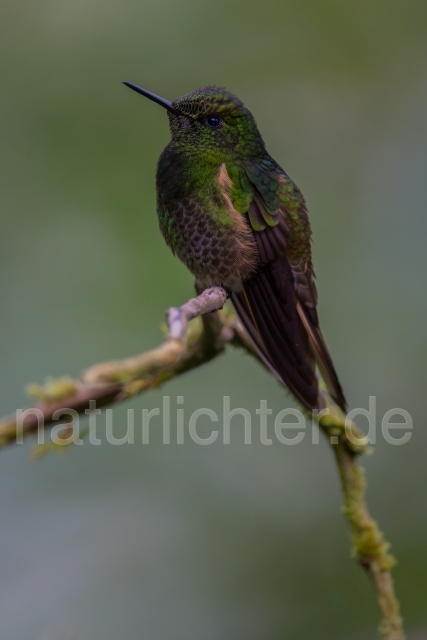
(236, 219)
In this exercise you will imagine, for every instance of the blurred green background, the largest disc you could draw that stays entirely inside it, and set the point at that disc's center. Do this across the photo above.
(167, 541)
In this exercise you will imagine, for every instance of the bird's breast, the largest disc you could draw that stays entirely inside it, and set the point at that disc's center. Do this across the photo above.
(205, 231)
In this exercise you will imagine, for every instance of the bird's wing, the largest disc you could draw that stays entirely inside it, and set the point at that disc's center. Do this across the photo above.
(277, 305)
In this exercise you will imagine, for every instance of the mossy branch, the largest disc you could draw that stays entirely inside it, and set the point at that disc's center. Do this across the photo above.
(186, 347)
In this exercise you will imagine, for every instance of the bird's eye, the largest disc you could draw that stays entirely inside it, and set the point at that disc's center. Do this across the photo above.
(214, 122)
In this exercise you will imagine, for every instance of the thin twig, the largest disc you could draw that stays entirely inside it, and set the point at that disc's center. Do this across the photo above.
(209, 300)
(370, 547)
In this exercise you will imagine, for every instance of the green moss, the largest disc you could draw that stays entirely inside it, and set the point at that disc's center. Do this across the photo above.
(53, 389)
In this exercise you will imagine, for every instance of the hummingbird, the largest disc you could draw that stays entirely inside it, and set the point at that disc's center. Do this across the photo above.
(231, 214)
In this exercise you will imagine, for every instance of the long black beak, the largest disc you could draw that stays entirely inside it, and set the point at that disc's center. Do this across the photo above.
(152, 96)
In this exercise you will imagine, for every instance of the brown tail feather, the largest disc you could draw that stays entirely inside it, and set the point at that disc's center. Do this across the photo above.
(285, 334)
(242, 309)
(323, 358)
(267, 309)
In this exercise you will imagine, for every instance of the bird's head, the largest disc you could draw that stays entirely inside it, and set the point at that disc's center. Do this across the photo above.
(210, 120)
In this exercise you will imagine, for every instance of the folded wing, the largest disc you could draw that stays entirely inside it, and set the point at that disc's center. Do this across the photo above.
(277, 307)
